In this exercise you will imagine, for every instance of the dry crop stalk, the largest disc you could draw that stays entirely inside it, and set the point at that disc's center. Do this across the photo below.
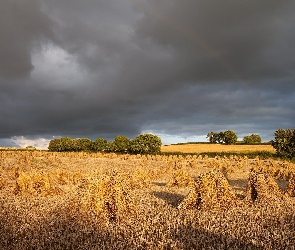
(210, 190)
(291, 187)
(35, 183)
(180, 178)
(140, 179)
(107, 196)
(3, 182)
(277, 170)
(62, 177)
(262, 188)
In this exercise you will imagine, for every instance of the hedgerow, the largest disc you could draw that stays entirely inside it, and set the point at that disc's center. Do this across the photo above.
(142, 144)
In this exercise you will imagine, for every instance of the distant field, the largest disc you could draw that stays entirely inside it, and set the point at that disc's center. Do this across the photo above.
(201, 148)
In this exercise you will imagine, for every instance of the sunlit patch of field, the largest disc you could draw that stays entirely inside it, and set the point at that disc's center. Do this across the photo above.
(201, 148)
(108, 201)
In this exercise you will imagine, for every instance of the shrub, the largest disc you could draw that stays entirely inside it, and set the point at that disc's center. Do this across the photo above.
(146, 144)
(284, 142)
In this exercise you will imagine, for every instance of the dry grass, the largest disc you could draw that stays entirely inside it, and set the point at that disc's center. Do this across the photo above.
(96, 201)
(201, 148)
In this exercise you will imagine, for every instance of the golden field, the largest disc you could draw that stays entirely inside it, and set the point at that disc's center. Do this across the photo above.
(108, 201)
(204, 148)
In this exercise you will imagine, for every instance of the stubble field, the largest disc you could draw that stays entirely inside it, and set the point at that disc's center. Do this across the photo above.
(107, 201)
(201, 148)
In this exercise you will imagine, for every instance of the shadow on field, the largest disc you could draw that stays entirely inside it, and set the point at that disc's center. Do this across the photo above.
(283, 184)
(171, 198)
(239, 186)
(66, 228)
(60, 229)
(197, 238)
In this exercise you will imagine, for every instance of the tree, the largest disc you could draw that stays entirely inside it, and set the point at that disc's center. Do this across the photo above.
(230, 137)
(99, 144)
(252, 139)
(121, 144)
(221, 137)
(54, 145)
(30, 148)
(110, 147)
(284, 142)
(146, 144)
(82, 144)
(61, 144)
(66, 144)
(227, 137)
(213, 137)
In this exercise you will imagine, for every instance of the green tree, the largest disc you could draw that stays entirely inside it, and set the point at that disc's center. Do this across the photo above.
(213, 137)
(30, 148)
(221, 137)
(99, 144)
(54, 145)
(110, 147)
(252, 139)
(82, 144)
(146, 144)
(121, 144)
(284, 142)
(227, 137)
(66, 144)
(230, 137)
(61, 144)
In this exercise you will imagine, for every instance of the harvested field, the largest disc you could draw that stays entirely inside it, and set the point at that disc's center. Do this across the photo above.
(108, 201)
(201, 148)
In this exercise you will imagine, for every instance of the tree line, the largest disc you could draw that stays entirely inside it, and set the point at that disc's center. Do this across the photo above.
(142, 144)
(230, 137)
(283, 143)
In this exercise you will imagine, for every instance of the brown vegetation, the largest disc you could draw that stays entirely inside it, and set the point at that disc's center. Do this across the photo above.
(107, 201)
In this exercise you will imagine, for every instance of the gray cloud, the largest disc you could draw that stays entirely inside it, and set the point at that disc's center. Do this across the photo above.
(22, 25)
(103, 68)
(215, 39)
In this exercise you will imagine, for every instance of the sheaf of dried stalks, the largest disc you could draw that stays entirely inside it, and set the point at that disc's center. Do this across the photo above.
(211, 190)
(263, 188)
(291, 187)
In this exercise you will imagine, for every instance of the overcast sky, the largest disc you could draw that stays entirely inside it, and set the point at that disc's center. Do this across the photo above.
(178, 69)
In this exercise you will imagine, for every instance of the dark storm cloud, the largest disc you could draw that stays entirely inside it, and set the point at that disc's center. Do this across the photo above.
(103, 68)
(219, 39)
(21, 26)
